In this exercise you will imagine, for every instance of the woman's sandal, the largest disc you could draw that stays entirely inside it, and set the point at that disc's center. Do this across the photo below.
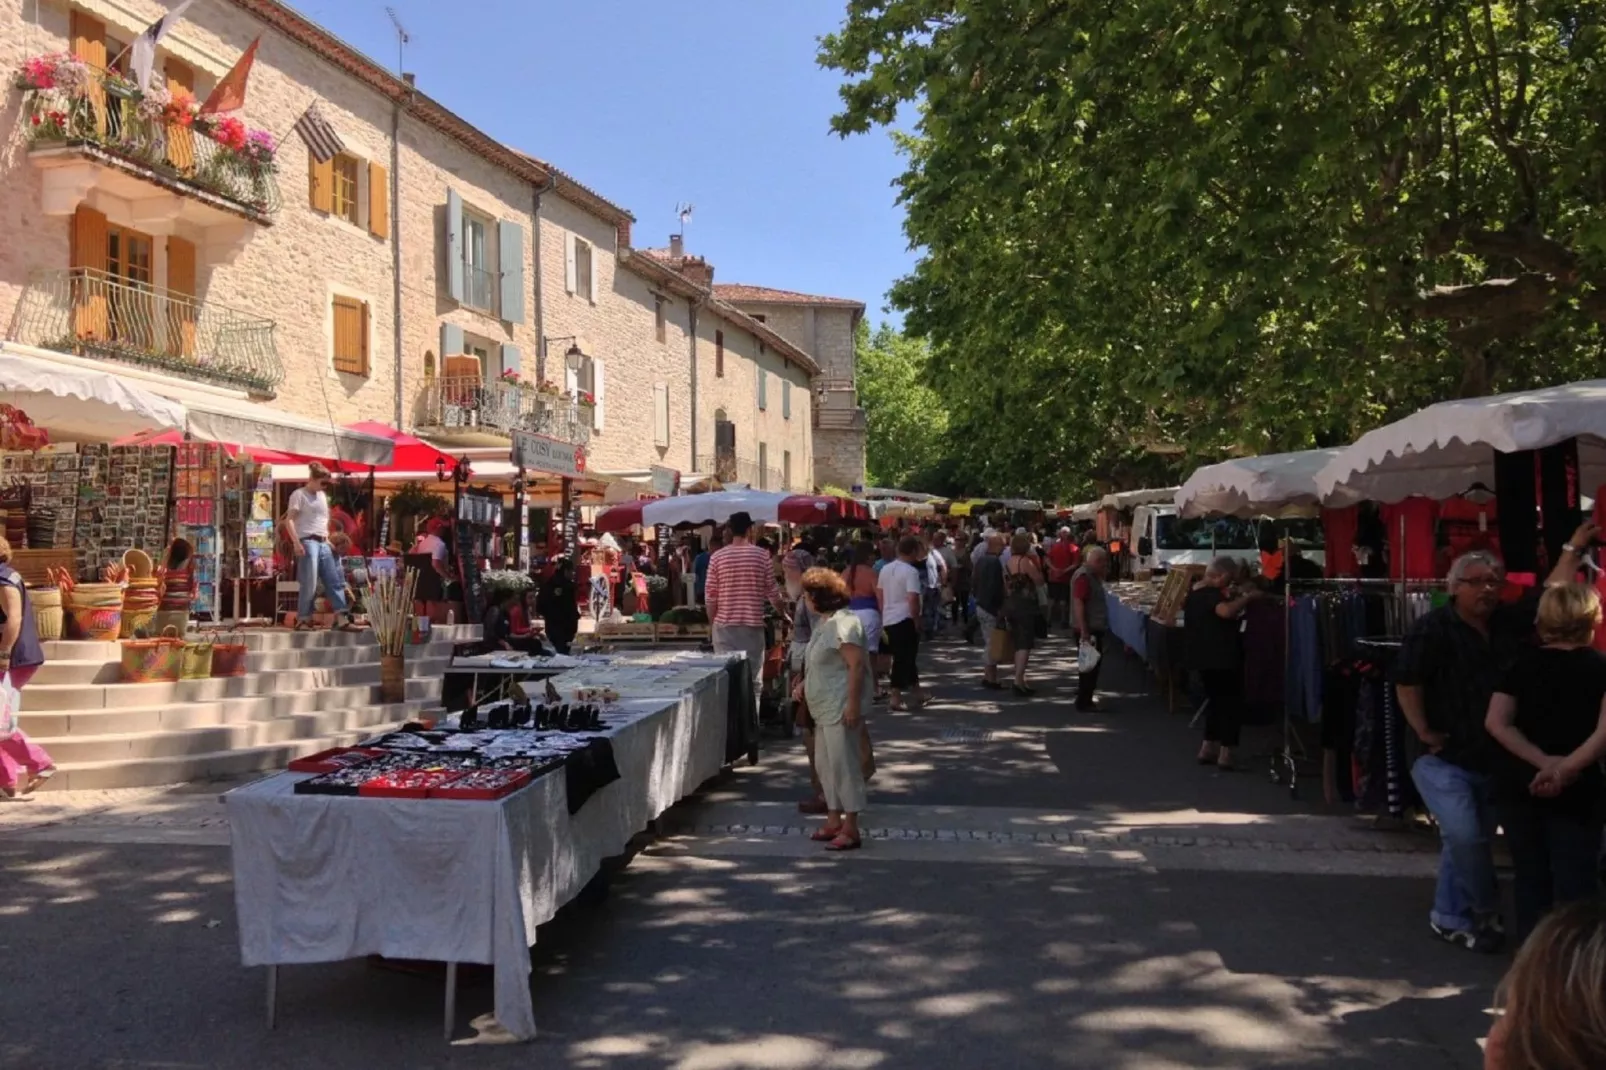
(842, 843)
(826, 835)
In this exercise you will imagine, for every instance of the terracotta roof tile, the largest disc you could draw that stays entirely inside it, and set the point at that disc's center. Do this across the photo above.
(765, 295)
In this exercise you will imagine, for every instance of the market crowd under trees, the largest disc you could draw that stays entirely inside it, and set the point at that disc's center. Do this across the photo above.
(1156, 232)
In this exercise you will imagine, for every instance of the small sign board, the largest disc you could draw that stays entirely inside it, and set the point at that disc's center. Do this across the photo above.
(540, 453)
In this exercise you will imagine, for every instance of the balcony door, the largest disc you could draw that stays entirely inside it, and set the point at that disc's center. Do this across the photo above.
(128, 283)
(724, 449)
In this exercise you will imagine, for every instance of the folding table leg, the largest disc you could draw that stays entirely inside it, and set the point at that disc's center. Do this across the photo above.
(273, 996)
(451, 999)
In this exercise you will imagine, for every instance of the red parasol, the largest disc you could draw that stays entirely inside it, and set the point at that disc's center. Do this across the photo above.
(411, 454)
(176, 438)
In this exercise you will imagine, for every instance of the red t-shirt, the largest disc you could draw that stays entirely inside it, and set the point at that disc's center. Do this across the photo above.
(1081, 590)
(1063, 559)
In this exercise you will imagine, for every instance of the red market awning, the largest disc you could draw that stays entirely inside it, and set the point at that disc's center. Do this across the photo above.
(765, 507)
(176, 438)
(411, 454)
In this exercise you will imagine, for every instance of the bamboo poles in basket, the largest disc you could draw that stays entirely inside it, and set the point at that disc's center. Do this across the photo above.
(390, 615)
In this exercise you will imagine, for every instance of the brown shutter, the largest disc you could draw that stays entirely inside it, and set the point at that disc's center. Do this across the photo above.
(89, 45)
(89, 241)
(362, 337)
(378, 201)
(321, 183)
(181, 308)
(180, 139)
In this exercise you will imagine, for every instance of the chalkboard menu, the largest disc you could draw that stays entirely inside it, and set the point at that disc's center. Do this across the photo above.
(468, 571)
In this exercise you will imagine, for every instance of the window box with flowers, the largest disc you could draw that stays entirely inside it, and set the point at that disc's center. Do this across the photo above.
(68, 103)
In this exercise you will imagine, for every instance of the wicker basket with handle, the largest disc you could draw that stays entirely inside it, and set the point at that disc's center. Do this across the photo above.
(149, 661)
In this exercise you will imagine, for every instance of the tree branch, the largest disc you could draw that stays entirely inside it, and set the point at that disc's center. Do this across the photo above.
(1492, 299)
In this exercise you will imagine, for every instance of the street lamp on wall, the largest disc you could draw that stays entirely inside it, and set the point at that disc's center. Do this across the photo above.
(573, 357)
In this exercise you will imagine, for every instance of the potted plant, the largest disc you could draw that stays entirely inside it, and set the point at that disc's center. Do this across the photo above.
(660, 599)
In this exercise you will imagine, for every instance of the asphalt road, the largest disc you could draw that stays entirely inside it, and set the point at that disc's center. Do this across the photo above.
(725, 952)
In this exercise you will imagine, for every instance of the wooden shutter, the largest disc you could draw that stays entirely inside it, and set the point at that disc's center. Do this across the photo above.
(571, 267)
(89, 239)
(512, 360)
(89, 45)
(510, 259)
(351, 335)
(180, 139)
(719, 354)
(378, 201)
(454, 245)
(599, 391)
(181, 309)
(763, 390)
(321, 183)
(660, 415)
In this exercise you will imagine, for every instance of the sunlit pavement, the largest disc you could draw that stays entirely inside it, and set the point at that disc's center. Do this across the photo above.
(1039, 888)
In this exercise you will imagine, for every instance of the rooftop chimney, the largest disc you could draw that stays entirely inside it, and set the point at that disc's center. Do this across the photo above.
(697, 270)
(410, 78)
(677, 246)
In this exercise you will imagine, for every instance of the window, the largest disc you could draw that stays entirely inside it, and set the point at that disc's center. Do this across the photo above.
(660, 326)
(760, 319)
(786, 469)
(719, 354)
(763, 390)
(343, 188)
(479, 281)
(763, 466)
(351, 335)
(786, 399)
(582, 271)
(660, 415)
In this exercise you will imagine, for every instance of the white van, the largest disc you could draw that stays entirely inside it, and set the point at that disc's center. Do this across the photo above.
(1163, 539)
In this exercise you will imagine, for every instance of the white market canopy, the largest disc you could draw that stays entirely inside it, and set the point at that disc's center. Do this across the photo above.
(82, 405)
(1278, 484)
(1129, 499)
(1085, 511)
(1444, 449)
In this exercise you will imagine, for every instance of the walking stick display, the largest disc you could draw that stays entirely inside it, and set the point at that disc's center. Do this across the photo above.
(390, 613)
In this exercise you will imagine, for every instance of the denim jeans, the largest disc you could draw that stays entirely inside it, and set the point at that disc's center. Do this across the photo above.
(1459, 801)
(318, 563)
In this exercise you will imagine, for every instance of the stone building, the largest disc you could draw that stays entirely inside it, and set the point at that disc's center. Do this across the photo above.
(824, 327)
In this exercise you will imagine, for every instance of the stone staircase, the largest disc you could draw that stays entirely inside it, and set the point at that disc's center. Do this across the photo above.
(302, 692)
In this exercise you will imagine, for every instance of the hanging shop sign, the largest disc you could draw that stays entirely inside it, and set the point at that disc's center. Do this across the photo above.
(542, 454)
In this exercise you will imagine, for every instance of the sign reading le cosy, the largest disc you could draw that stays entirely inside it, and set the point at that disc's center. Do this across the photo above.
(543, 454)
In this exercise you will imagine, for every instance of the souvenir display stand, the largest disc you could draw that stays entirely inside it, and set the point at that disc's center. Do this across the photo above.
(397, 863)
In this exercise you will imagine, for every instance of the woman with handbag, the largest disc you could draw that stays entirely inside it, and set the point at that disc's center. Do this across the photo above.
(21, 654)
(837, 689)
(1022, 608)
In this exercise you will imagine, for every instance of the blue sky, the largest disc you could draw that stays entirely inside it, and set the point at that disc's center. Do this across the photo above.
(716, 102)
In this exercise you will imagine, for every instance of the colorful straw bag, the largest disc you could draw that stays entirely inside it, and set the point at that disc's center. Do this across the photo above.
(151, 661)
(228, 658)
(196, 663)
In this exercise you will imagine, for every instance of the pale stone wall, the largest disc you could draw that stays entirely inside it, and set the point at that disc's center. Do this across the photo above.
(618, 329)
(285, 272)
(736, 394)
(839, 458)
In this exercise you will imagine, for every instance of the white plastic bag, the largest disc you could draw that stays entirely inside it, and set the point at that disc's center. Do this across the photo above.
(10, 708)
(1087, 657)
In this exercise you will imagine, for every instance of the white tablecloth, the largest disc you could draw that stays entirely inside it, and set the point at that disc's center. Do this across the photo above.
(321, 878)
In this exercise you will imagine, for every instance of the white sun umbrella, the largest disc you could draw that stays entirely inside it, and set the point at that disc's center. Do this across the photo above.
(716, 508)
(1277, 484)
(1444, 449)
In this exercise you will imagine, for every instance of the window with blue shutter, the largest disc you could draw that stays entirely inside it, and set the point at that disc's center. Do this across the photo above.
(510, 258)
(512, 360)
(454, 245)
(763, 390)
(786, 399)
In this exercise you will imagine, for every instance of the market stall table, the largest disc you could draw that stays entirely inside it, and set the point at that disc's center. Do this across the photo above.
(1127, 620)
(323, 878)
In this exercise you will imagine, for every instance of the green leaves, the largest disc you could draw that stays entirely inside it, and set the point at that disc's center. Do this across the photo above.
(1177, 230)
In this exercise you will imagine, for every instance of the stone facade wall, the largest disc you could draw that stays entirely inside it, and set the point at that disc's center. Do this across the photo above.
(736, 395)
(286, 272)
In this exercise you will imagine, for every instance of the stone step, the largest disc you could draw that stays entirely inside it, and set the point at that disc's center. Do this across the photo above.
(109, 671)
(185, 768)
(58, 724)
(75, 750)
(58, 697)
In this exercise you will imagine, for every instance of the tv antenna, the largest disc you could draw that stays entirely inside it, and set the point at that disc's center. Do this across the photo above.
(402, 37)
(684, 210)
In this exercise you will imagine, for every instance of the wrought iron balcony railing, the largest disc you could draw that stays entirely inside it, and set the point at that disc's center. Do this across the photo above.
(500, 407)
(728, 468)
(214, 154)
(94, 314)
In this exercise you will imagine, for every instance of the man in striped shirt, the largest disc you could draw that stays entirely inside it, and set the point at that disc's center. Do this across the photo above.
(741, 578)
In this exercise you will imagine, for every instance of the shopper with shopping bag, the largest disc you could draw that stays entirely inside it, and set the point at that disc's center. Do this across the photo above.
(24, 765)
(1092, 621)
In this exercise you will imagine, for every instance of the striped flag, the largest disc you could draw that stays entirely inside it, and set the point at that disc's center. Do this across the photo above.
(142, 58)
(229, 93)
(322, 141)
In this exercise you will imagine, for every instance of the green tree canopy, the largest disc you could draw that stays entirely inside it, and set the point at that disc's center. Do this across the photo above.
(1154, 229)
(906, 422)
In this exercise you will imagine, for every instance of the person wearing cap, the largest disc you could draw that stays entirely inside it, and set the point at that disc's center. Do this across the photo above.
(741, 579)
(306, 525)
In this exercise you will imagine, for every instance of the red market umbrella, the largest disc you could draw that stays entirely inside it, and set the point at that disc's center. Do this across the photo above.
(620, 517)
(411, 454)
(808, 509)
(176, 438)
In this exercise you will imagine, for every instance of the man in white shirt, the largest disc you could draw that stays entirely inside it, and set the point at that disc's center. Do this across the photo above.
(306, 526)
(900, 585)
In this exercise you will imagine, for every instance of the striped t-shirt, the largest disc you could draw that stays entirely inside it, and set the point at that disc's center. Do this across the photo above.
(740, 580)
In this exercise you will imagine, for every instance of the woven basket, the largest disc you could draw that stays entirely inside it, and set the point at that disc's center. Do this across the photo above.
(31, 565)
(150, 661)
(100, 624)
(95, 594)
(139, 564)
(196, 663)
(136, 621)
(228, 659)
(48, 620)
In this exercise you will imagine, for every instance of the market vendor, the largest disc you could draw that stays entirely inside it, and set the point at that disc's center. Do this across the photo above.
(306, 525)
(499, 630)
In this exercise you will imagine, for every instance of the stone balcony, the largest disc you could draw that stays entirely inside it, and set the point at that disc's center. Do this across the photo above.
(470, 411)
(148, 161)
(93, 314)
